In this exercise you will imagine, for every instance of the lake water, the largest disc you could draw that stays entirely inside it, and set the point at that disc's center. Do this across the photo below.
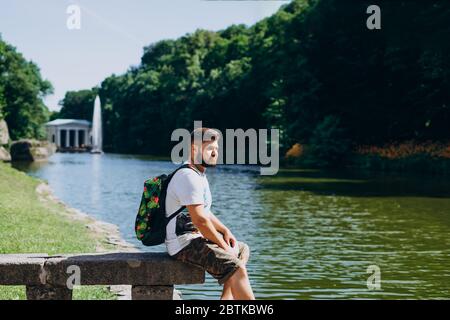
(312, 234)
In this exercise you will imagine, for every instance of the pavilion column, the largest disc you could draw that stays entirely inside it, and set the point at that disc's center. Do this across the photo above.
(57, 139)
(76, 138)
(86, 137)
(67, 138)
(60, 138)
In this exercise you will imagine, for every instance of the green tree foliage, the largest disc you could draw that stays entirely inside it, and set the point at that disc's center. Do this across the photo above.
(78, 104)
(2, 102)
(329, 145)
(21, 92)
(312, 61)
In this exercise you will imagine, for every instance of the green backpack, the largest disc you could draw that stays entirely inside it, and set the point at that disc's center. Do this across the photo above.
(151, 220)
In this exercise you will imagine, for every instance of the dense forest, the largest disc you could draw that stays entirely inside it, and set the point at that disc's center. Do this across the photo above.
(313, 70)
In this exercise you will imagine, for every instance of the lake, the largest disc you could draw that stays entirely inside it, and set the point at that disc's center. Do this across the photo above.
(312, 234)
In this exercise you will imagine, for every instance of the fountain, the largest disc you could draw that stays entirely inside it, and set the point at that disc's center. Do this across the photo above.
(97, 143)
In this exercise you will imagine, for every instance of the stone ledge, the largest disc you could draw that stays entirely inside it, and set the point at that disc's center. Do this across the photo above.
(127, 268)
(21, 269)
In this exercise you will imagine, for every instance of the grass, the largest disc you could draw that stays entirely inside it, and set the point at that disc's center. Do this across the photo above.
(28, 225)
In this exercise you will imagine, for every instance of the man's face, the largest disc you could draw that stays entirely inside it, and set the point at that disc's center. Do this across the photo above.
(207, 155)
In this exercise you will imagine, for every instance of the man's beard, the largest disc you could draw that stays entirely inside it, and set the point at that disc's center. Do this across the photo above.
(203, 163)
(208, 165)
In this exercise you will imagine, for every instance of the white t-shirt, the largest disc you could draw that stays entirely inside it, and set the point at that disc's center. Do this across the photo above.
(187, 187)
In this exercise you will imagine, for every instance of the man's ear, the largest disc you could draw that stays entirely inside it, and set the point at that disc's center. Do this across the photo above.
(195, 148)
(194, 152)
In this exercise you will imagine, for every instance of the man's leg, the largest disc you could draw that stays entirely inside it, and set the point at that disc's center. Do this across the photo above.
(240, 285)
(217, 262)
(244, 254)
(226, 293)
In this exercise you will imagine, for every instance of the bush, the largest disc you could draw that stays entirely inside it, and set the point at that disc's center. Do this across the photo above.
(328, 146)
(419, 164)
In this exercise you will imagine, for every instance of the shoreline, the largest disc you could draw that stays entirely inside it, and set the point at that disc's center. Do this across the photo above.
(100, 230)
(109, 231)
(55, 228)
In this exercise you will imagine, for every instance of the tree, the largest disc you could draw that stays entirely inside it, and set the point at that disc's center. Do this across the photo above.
(311, 60)
(78, 104)
(21, 92)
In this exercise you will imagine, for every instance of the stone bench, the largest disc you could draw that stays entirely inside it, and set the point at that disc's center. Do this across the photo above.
(152, 276)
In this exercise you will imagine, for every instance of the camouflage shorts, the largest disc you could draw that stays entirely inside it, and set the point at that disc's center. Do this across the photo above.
(212, 258)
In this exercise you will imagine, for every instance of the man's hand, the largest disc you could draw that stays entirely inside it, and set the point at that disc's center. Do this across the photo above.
(232, 251)
(229, 238)
(206, 226)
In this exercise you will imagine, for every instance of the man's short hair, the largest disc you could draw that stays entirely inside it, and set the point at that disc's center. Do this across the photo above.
(205, 134)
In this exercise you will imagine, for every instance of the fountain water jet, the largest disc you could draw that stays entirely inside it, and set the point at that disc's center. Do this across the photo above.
(97, 142)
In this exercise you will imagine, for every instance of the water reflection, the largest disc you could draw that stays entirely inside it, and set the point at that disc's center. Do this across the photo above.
(95, 199)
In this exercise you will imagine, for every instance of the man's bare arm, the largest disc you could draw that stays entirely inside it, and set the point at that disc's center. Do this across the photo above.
(229, 238)
(206, 226)
(218, 224)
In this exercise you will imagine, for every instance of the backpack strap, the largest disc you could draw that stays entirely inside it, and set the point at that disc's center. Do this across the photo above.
(187, 165)
(173, 215)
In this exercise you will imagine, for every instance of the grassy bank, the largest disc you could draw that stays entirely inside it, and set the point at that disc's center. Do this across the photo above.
(407, 157)
(417, 164)
(30, 225)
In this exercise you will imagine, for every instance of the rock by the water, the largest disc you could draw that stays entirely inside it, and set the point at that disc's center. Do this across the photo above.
(4, 155)
(31, 150)
(4, 134)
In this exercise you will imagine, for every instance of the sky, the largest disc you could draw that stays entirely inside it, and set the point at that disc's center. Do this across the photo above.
(112, 33)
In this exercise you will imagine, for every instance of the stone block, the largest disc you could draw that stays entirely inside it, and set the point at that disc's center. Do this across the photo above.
(4, 155)
(4, 134)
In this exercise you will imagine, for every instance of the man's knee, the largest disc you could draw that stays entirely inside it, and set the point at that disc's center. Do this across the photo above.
(245, 252)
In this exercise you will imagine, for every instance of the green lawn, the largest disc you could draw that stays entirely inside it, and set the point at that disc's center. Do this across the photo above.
(28, 225)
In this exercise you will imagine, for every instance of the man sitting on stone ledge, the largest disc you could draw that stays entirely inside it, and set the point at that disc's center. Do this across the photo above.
(197, 236)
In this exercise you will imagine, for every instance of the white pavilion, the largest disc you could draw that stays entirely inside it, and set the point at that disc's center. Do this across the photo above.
(69, 133)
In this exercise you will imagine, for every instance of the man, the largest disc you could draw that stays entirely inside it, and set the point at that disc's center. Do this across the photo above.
(198, 237)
